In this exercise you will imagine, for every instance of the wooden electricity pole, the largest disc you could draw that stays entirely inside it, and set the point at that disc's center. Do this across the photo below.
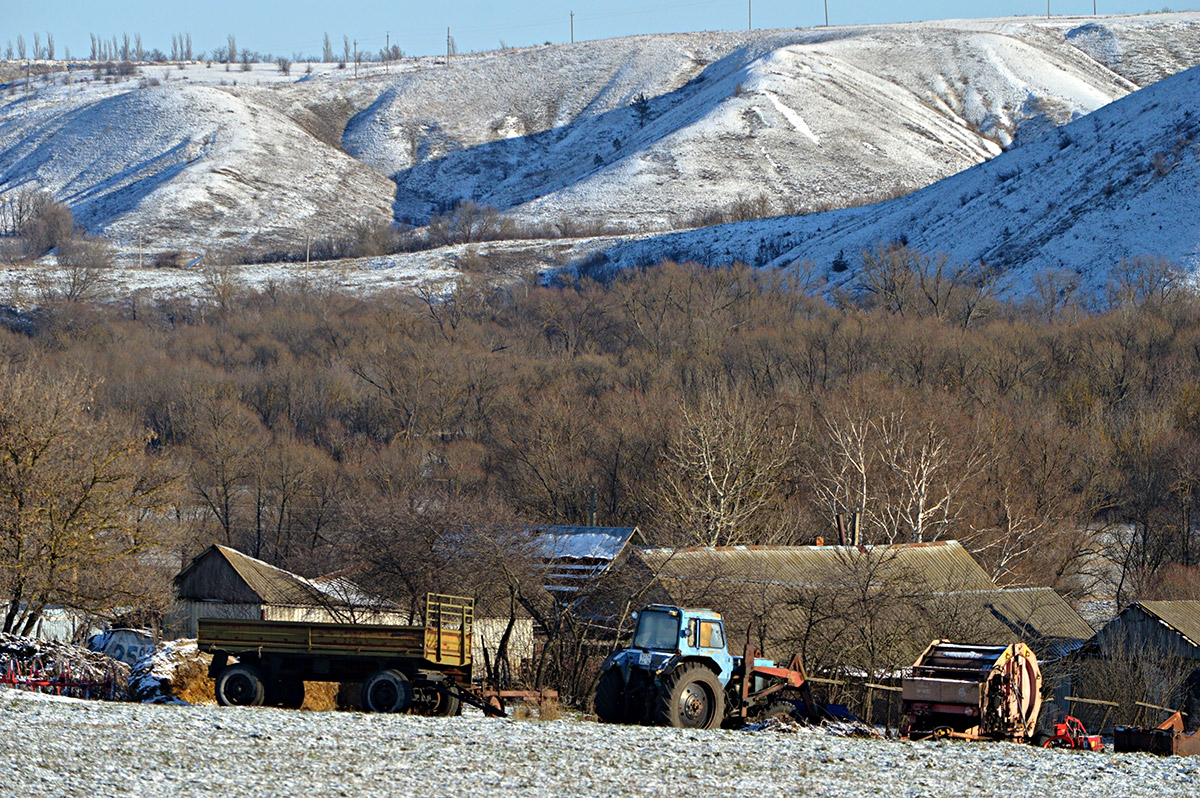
(749, 14)
(827, 13)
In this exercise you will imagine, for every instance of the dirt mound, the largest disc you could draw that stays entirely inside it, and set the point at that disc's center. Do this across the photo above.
(60, 668)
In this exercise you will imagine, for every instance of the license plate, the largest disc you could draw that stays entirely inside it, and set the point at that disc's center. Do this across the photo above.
(644, 658)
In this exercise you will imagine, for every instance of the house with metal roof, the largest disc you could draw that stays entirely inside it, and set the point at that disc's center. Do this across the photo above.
(863, 608)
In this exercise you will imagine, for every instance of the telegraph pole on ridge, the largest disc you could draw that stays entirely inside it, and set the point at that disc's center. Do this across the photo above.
(572, 27)
(827, 13)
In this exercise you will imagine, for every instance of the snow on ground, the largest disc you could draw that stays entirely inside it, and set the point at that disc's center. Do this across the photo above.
(79, 748)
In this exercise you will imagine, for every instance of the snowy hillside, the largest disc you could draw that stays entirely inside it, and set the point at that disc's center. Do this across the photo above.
(1122, 182)
(188, 166)
(793, 121)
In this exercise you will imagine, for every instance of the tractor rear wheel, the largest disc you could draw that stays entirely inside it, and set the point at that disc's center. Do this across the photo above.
(610, 697)
(690, 697)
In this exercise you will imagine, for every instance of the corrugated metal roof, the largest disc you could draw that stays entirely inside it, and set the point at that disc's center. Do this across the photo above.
(1037, 616)
(1182, 616)
(582, 542)
(940, 567)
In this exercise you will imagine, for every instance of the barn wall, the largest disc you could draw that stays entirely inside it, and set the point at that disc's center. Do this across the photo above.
(182, 621)
(214, 578)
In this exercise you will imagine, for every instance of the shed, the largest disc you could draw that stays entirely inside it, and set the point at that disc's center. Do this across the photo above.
(574, 557)
(1155, 644)
(222, 582)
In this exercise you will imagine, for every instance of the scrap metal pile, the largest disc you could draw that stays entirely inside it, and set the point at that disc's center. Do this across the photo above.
(60, 669)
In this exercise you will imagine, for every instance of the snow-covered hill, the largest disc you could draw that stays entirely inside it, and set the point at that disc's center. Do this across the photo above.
(188, 166)
(795, 121)
(1122, 182)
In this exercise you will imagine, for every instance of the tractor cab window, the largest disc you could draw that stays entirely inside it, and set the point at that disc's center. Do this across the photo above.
(657, 629)
(710, 635)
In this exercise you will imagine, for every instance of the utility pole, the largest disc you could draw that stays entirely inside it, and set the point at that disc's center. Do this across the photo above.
(447, 46)
(572, 27)
(356, 59)
(1047, 9)
(827, 13)
(387, 53)
(749, 14)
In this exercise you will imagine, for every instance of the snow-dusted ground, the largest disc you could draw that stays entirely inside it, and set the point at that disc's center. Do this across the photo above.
(68, 748)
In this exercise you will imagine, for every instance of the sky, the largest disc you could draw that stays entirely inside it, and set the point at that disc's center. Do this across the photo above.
(297, 27)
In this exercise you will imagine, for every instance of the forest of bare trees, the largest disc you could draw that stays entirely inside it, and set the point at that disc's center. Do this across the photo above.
(316, 429)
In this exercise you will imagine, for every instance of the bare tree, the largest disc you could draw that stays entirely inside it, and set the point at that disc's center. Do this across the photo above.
(137, 47)
(76, 499)
(724, 469)
(231, 46)
(84, 262)
(20, 47)
(345, 49)
(49, 45)
(327, 51)
(187, 46)
(37, 45)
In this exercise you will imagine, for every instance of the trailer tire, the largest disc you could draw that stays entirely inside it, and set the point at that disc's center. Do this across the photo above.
(610, 698)
(449, 706)
(690, 697)
(240, 685)
(387, 691)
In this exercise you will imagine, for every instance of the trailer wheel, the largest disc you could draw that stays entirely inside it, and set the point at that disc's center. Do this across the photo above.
(690, 698)
(449, 704)
(387, 691)
(240, 685)
(610, 697)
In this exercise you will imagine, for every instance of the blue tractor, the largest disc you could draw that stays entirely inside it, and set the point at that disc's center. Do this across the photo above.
(679, 672)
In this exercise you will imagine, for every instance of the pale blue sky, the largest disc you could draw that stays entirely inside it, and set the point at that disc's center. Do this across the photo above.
(288, 27)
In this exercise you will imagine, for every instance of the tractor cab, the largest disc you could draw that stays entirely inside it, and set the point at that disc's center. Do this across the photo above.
(665, 633)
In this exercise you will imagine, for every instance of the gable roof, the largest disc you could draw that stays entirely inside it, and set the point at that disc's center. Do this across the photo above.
(573, 555)
(222, 573)
(1038, 616)
(1181, 616)
(931, 590)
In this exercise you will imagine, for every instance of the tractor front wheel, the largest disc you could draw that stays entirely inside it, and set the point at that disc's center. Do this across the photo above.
(610, 697)
(690, 697)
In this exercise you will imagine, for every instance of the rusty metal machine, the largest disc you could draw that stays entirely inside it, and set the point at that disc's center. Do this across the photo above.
(973, 693)
(1168, 738)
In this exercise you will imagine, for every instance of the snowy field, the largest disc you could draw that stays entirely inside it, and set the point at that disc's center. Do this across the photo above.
(60, 747)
